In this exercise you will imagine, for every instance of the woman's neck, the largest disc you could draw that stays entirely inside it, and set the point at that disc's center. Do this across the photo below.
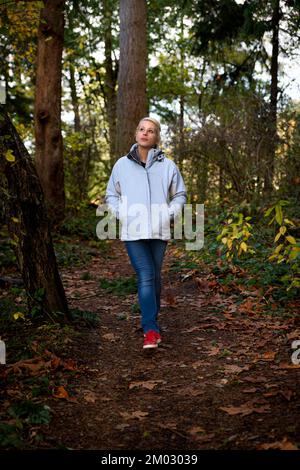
(143, 152)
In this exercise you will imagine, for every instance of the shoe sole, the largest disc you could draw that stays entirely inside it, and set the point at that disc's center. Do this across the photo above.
(150, 346)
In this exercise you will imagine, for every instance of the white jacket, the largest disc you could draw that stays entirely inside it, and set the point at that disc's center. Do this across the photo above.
(145, 199)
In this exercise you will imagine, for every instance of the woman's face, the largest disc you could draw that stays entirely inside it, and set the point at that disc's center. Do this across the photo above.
(146, 135)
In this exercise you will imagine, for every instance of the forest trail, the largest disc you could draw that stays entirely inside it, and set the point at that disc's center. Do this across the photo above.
(222, 379)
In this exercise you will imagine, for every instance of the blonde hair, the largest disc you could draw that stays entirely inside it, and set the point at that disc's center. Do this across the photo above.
(156, 125)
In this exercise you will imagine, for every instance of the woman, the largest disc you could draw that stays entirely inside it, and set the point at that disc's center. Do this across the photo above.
(146, 191)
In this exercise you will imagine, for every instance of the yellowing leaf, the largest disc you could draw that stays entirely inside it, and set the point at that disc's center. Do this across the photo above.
(18, 315)
(291, 240)
(277, 236)
(9, 156)
(244, 246)
(278, 215)
(287, 221)
(282, 229)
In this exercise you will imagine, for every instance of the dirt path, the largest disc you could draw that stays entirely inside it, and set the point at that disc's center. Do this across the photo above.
(223, 378)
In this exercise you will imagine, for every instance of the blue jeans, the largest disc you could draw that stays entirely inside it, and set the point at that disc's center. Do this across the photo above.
(146, 256)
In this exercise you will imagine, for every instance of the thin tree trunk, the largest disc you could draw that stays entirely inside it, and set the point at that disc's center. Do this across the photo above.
(110, 82)
(74, 99)
(49, 145)
(273, 137)
(28, 224)
(132, 96)
(201, 167)
(181, 100)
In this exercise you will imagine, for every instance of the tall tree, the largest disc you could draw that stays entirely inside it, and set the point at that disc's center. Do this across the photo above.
(110, 83)
(49, 145)
(28, 223)
(273, 137)
(132, 96)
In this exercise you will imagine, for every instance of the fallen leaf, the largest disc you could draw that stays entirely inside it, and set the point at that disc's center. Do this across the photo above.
(237, 410)
(110, 336)
(195, 430)
(287, 394)
(233, 369)
(269, 356)
(214, 351)
(34, 366)
(191, 330)
(285, 444)
(259, 378)
(169, 301)
(60, 392)
(55, 362)
(148, 384)
(169, 425)
(245, 409)
(294, 335)
(89, 396)
(249, 390)
(287, 365)
(134, 414)
(69, 364)
(122, 426)
(190, 392)
(197, 364)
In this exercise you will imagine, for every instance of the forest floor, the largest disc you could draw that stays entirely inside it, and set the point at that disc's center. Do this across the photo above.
(222, 378)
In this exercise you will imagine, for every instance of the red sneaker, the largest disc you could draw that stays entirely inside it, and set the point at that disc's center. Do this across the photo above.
(158, 337)
(151, 339)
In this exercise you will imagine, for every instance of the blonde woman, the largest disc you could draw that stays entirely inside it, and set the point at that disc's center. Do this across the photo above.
(146, 191)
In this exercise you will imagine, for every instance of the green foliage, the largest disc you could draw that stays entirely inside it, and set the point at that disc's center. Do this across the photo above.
(287, 247)
(85, 317)
(235, 234)
(10, 436)
(80, 222)
(38, 298)
(70, 254)
(31, 413)
(120, 286)
(7, 255)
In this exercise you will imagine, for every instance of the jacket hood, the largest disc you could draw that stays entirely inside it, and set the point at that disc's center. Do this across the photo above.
(154, 154)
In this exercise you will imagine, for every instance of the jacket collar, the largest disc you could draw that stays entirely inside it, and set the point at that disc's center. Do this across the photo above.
(154, 154)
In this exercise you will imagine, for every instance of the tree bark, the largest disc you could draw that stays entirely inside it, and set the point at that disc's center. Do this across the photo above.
(49, 145)
(132, 96)
(110, 83)
(28, 223)
(272, 131)
(74, 98)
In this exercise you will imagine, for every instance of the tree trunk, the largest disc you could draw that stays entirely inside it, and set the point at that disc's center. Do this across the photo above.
(201, 168)
(28, 224)
(272, 131)
(110, 83)
(74, 98)
(49, 145)
(181, 146)
(132, 97)
(78, 184)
